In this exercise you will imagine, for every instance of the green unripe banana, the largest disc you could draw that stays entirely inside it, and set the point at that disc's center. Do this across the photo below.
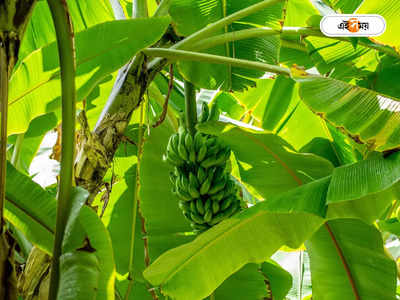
(197, 218)
(193, 207)
(198, 141)
(234, 207)
(217, 187)
(208, 204)
(218, 196)
(193, 191)
(187, 216)
(206, 185)
(193, 180)
(182, 151)
(172, 178)
(174, 142)
(184, 182)
(201, 178)
(200, 206)
(222, 215)
(183, 194)
(184, 206)
(192, 156)
(204, 113)
(202, 153)
(208, 216)
(188, 141)
(209, 162)
(201, 175)
(177, 172)
(215, 207)
(226, 203)
(213, 150)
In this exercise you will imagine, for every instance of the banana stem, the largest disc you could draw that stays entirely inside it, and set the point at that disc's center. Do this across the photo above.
(220, 24)
(190, 107)
(65, 42)
(174, 55)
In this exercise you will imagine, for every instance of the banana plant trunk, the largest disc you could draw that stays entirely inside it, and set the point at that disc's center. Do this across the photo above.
(96, 149)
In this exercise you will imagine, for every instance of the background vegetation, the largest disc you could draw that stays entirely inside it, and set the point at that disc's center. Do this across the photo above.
(313, 124)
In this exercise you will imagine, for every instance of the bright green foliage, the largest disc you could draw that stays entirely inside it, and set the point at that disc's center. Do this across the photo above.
(30, 208)
(300, 151)
(185, 274)
(267, 163)
(374, 278)
(307, 206)
(387, 9)
(351, 107)
(40, 31)
(38, 77)
(192, 15)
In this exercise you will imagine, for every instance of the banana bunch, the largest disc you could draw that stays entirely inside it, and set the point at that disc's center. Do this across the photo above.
(201, 178)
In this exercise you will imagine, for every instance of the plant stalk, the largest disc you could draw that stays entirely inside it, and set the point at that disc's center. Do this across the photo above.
(174, 55)
(66, 50)
(3, 132)
(190, 107)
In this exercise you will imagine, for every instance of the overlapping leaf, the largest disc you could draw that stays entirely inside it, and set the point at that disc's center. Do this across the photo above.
(371, 273)
(303, 207)
(365, 115)
(388, 9)
(190, 16)
(101, 50)
(255, 234)
(267, 163)
(30, 209)
(40, 31)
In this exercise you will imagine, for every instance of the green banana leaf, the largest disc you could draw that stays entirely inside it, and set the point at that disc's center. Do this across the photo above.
(345, 6)
(371, 271)
(279, 280)
(190, 16)
(388, 9)
(101, 50)
(32, 139)
(278, 102)
(368, 117)
(259, 231)
(87, 263)
(194, 270)
(267, 163)
(30, 209)
(256, 282)
(40, 31)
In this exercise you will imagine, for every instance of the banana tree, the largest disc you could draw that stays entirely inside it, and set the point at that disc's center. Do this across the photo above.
(200, 145)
